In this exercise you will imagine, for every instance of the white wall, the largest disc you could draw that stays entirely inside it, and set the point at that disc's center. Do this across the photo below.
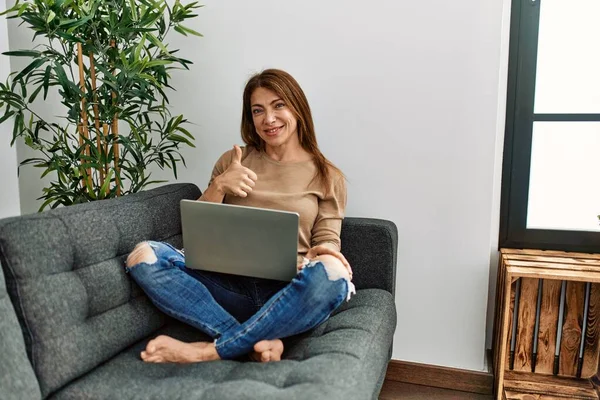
(500, 127)
(405, 97)
(9, 195)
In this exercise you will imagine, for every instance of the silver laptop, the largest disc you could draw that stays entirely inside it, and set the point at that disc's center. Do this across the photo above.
(240, 240)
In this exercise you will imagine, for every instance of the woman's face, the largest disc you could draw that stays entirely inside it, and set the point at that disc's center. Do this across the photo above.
(273, 120)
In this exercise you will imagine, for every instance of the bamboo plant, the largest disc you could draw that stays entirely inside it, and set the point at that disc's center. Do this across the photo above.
(110, 64)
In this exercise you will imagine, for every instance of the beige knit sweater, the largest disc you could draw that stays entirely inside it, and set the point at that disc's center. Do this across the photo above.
(290, 187)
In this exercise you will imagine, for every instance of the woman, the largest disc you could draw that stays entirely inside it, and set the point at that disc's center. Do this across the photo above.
(281, 167)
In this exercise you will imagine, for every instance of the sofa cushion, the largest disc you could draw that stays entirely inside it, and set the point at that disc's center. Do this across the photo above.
(65, 276)
(343, 358)
(17, 380)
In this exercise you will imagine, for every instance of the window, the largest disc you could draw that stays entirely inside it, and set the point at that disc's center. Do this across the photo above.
(551, 171)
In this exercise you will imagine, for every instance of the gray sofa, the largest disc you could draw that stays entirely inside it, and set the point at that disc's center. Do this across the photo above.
(72, 323)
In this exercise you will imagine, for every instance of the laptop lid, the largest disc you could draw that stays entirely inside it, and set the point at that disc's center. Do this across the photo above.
(240, 240)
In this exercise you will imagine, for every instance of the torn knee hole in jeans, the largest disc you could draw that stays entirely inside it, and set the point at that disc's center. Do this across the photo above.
(143, 253)
(335, 272)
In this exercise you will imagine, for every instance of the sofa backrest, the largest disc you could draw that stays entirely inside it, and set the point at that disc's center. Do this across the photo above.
(17, 380)
(371, 246)
(65, 275)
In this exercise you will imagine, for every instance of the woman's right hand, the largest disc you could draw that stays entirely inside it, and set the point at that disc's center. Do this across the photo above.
(237, 180)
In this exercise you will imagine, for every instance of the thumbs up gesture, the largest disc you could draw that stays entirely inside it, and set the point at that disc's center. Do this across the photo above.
(237, 179)
(236, 156)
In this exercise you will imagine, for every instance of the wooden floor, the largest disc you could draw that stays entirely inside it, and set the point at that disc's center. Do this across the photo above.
(393, 390)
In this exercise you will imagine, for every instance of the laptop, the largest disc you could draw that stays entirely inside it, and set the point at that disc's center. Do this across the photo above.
(240, 240)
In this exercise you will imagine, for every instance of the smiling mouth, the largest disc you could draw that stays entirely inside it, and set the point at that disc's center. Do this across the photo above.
(273, 131)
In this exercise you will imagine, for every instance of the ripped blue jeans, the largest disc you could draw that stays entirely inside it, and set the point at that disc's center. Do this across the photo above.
(238, 311)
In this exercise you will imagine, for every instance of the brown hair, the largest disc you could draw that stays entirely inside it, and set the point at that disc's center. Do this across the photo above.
(286, 87)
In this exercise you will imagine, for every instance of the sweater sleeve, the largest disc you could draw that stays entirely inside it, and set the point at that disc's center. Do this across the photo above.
(328, 224)
(219, 167)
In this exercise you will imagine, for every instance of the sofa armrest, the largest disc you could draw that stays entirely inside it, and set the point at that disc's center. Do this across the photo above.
(370, 246)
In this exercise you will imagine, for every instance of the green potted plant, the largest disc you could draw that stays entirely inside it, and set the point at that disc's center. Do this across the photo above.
(110, 64)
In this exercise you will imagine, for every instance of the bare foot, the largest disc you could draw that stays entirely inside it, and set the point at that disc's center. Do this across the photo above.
(267, 350)
(165, 349)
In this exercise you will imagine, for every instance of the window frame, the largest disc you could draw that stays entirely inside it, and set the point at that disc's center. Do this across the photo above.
(520, 117)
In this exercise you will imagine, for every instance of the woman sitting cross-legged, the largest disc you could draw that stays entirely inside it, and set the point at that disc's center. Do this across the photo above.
(281, 167)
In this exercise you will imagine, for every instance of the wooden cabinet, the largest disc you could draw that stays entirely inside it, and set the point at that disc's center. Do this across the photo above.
(547, 325)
